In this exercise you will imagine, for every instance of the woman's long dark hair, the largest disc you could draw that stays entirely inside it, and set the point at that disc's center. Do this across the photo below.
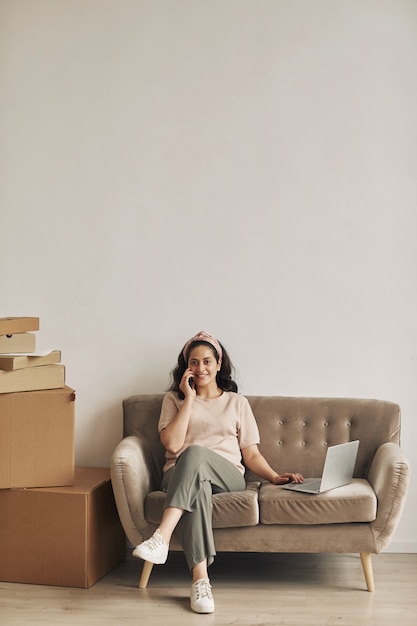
(224, 375)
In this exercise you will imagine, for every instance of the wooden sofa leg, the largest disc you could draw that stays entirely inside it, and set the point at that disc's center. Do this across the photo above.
(146, 572)
(366, 559)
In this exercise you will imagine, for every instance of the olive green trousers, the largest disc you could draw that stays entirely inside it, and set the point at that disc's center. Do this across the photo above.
(189, 485)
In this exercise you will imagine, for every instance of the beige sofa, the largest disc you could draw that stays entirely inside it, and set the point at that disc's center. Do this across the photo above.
(295, 432)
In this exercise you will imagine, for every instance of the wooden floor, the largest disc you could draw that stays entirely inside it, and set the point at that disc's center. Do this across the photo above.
(249, 590)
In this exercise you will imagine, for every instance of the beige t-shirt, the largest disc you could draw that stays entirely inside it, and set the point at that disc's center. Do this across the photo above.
(225, 424)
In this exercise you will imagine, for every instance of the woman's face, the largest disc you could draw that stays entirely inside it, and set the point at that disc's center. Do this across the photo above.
(204, 366)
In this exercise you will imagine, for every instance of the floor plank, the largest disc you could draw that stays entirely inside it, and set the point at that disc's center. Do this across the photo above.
(249, 590)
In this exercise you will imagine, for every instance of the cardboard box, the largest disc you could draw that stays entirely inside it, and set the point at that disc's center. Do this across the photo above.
(21, 342)
(32, 378)
(66, 536)
(11, 362)
(37, 438)
(12, 325)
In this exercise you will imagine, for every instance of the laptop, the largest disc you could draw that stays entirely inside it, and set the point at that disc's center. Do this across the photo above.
(338, 470)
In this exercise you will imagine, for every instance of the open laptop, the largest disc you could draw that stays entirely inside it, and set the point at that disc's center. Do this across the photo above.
(338, 470)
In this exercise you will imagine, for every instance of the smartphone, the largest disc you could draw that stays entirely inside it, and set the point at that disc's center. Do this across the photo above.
(191, 382)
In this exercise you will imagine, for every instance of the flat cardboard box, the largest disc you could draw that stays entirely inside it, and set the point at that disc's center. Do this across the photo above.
(65, 536)
(37, 438)
(20, 342)
(11, 362)
(12, 325)
(32, 378)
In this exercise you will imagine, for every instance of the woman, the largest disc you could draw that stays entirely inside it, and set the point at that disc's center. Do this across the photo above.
(207, 429)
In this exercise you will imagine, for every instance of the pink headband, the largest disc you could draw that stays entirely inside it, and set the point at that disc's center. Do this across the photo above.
(203, 336)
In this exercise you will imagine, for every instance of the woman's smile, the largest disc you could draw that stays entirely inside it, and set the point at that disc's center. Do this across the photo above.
(200, 377)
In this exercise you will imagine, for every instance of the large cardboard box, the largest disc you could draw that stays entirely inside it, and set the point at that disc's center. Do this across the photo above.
(66, 536)
(37, 438)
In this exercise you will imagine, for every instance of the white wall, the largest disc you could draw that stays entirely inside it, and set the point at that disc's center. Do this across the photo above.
(247, 167)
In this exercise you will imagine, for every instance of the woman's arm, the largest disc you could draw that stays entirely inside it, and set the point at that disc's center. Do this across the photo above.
(173, 436)
(257, 464)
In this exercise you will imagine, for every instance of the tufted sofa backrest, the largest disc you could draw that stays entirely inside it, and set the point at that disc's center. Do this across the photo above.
(295, 432)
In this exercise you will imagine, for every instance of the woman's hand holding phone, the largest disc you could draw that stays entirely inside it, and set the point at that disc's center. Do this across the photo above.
(187, 384)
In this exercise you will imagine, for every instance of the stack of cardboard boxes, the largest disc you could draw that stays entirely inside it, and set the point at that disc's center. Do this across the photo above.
(21, 368)
(58, 523)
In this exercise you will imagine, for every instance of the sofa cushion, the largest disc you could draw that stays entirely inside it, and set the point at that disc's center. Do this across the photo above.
(230, 510)
(355, 502)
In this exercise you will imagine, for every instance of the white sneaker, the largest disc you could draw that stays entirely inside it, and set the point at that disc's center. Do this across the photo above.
(201, 597)
(154, 550)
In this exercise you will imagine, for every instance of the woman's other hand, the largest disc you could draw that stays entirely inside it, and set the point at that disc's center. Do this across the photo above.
(287, 477)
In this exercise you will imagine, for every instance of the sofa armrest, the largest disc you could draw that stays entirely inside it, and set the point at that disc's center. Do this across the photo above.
(131, 482)
(389, 476)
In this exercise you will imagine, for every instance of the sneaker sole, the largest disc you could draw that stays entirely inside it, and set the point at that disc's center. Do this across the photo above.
(201, 611)
(146, 557)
